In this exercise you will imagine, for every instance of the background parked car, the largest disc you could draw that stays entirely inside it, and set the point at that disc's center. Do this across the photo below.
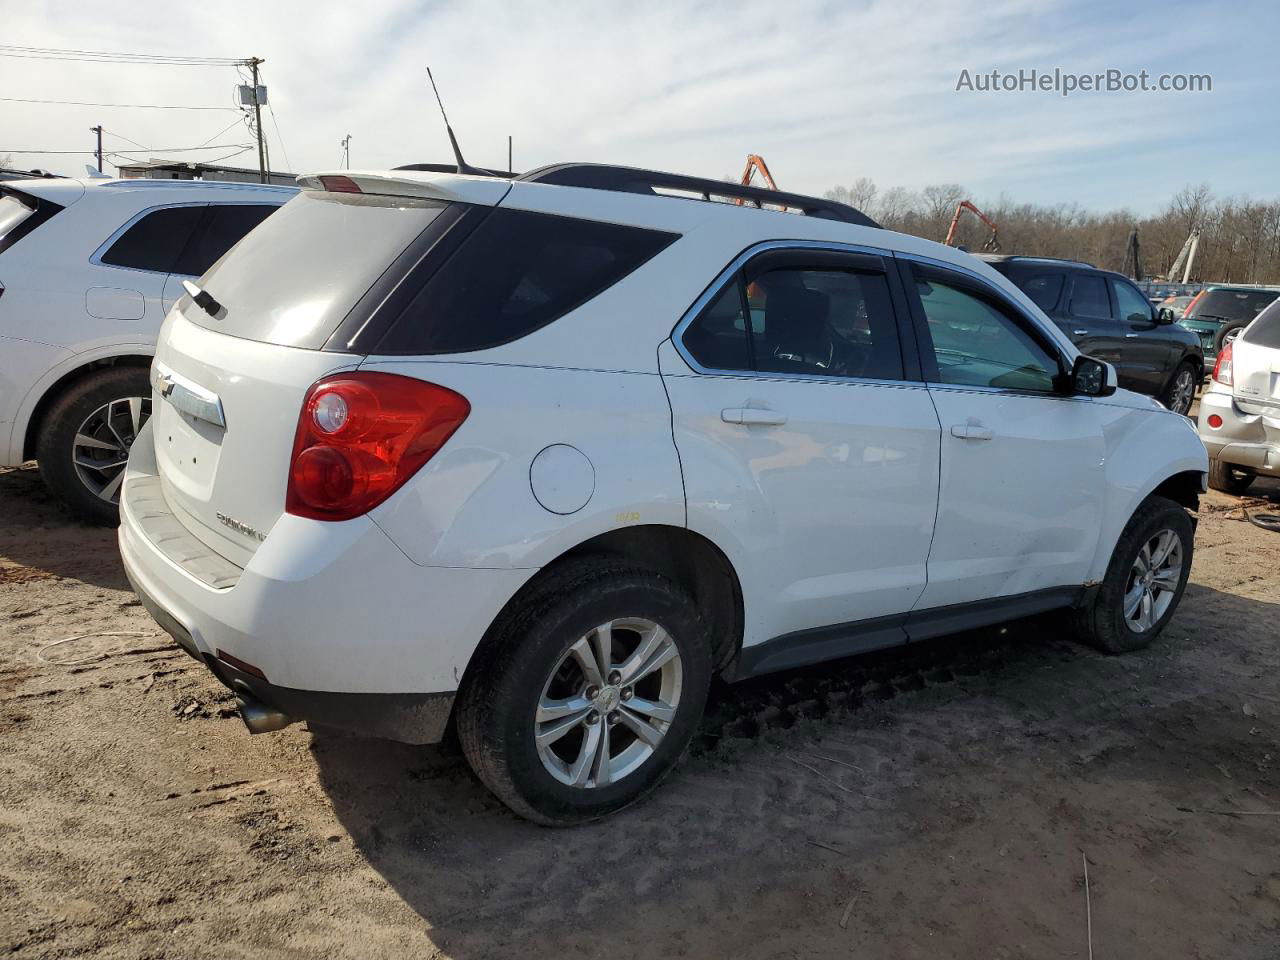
(1108, 317)
(1240, 409)
(1219, 313)
(88, 269)
(1177, 305)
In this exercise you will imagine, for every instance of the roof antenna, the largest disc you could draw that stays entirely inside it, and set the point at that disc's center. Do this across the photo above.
(463, 166)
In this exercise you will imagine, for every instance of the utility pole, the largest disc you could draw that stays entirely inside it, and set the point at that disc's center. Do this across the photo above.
(346, 152)
(257, 119)
(98, 131)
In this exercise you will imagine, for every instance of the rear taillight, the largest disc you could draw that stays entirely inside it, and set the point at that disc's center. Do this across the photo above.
(361, 436)
(1222, 367)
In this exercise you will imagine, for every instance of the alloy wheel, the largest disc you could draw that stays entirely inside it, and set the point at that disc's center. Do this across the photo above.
(608, 703)
(1183, 393)
(101, 446)
(1153, 581)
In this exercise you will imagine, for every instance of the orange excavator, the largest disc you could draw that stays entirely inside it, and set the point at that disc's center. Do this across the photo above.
(756, 164)
(992, 245)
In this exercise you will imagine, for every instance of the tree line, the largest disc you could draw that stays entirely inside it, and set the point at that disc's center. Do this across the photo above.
(1239, 238)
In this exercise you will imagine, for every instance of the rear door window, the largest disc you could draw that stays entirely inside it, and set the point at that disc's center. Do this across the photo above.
(718, 338)
(155, 240)
(220, 230)
(1089, 300)
(1044, 289)
(515, 273)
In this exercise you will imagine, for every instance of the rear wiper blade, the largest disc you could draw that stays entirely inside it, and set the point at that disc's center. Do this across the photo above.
(204, 300)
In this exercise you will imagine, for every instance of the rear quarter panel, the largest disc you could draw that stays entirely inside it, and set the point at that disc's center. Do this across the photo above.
(473, 504)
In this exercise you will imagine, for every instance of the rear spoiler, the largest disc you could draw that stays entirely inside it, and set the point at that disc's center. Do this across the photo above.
(41, 210)
(424, 185)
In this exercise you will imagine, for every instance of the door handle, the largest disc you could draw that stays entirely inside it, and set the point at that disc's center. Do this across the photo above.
(971, 431)
(753, 416)
(1131, 336)
(1080, 333)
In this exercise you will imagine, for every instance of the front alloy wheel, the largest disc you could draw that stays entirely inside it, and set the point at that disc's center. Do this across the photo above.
(608, 703)
(1153, 581)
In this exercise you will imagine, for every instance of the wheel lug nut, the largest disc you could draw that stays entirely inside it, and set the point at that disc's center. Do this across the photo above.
(614, 678)
(593, 717)
(591, 693)
(628, 693)
(613, 718)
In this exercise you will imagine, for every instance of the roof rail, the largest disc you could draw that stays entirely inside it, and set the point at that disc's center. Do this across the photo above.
(597, 176)
(1003, 257)
(452, 168)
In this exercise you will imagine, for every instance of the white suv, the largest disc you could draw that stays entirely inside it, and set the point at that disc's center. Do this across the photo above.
(543, 456)
(1240, 408)
(88, 269)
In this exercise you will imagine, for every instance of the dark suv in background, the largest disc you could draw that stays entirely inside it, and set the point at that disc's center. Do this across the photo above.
(1108, 317)
(1218, 314)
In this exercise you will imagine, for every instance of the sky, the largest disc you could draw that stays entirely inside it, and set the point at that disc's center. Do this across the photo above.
(827, 92)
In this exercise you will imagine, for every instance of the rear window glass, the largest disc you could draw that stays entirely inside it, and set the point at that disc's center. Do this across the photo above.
(155, 240)
(294, 278)
(518, 271)
(1233, 304)
(1265, 331)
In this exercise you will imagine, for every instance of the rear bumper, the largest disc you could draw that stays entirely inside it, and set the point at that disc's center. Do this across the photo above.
(1244, 439)
(407, 717)
(343, 627)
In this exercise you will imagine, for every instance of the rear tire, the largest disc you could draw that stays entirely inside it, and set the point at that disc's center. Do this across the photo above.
(1229, 478)
(1145, 579)
(532, 681)
(1180, 392)
(85, 437)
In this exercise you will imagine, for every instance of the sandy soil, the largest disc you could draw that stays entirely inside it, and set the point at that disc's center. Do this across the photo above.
(930, 802)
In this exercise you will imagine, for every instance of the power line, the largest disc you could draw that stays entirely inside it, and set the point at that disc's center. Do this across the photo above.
(131, 106)
(21, 50)
(216, 146)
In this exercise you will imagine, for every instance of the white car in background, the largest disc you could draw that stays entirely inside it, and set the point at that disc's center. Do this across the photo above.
(1240, 408)
(545, 455)
(88, 269)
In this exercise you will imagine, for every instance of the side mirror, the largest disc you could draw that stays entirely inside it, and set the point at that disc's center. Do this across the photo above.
(1165, 315)
(1092, 378)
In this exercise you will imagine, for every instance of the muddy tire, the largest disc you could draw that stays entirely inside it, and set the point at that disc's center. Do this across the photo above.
(585, 697)
(1229, 478)
(84, 440)
(1145, 580)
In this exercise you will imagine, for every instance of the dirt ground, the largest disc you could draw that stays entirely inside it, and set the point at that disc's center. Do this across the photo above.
(936, 801)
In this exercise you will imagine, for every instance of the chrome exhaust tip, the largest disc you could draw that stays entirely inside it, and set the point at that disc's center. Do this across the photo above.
(259, 717)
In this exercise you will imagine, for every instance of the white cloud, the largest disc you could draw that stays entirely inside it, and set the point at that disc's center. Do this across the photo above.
(827, 92)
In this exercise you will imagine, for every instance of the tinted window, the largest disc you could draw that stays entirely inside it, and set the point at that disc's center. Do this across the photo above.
(1089, 298)
(717, 339)
(976, 344)
(1265, 331)
(1043, 289)
(1133, 306)
(1232, 304)
(293, 279)
(824, 322)
(222, 227)
(517, 272)
(155, 241)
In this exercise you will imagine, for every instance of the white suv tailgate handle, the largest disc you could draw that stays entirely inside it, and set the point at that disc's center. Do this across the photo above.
(187, 396)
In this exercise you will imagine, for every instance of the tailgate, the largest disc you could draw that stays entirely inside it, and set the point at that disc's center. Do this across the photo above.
(225, 412)
(1256, 377)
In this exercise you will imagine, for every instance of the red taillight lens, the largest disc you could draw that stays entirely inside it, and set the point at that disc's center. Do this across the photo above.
(1215, 421)
(340, 185)
(1222, 366)
(361, 436)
